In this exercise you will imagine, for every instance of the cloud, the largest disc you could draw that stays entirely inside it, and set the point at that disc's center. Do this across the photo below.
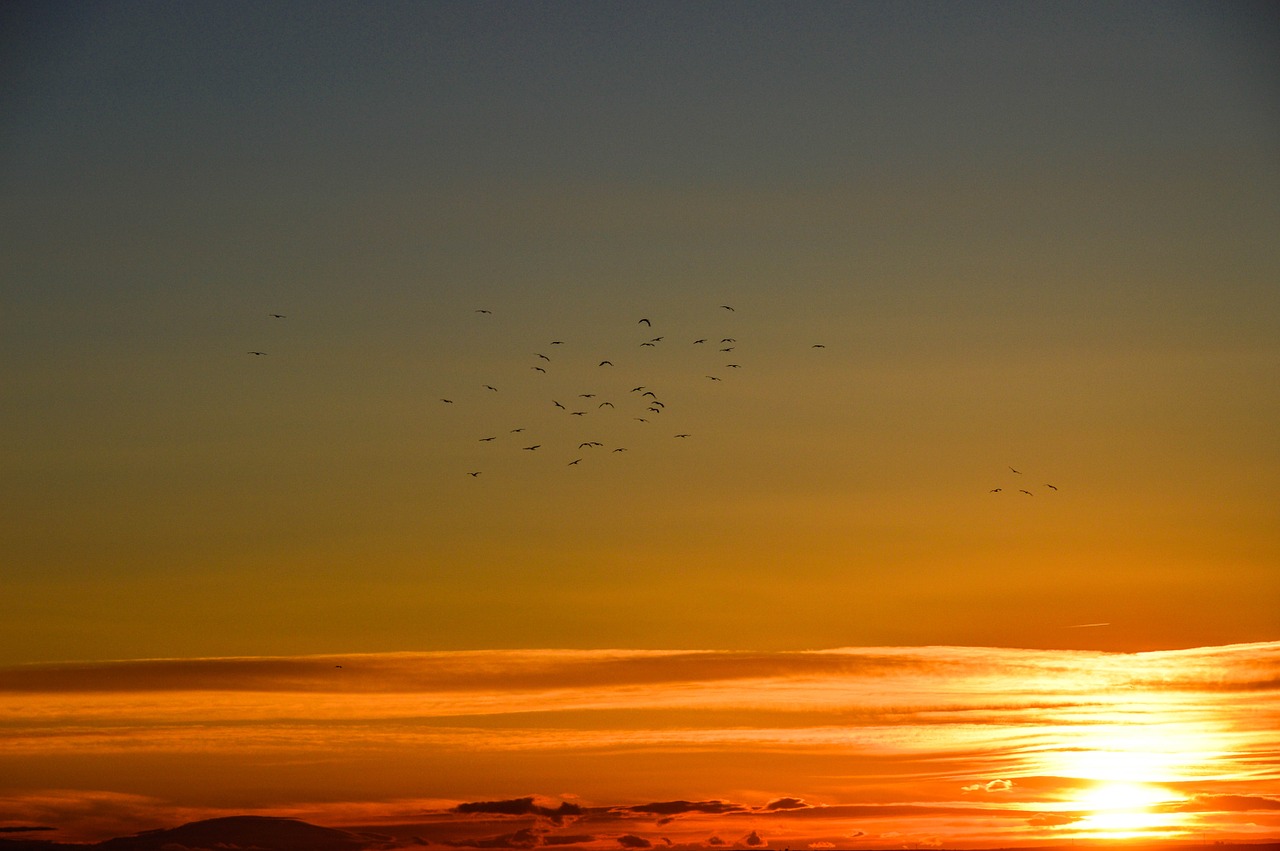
(1051, 819)
(822, 845)
(786, 804)
(1224, 803)
(521, 807)
(630, 840)
(715, 840)
(753, 840)
(673, 808)
(992, 786)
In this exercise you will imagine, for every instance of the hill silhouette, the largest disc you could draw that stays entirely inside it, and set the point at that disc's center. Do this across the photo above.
(250, 833)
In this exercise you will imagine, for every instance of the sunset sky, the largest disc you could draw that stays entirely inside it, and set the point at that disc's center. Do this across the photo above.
(695, 424)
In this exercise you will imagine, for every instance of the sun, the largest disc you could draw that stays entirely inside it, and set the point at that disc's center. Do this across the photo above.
(1124, 809)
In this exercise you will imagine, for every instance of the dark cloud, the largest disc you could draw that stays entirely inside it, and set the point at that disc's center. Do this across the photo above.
(525, 837)
(1051, 819)
(25, 829)
(521, 807)
(673, 808)
(1223, 803)
(786, 804)
(715, 840)
(630, 840)
(753, 840)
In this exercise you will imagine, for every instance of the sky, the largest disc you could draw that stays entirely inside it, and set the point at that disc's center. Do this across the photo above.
(338, 331)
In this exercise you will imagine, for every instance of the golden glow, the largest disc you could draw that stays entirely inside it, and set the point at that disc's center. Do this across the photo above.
(1119, 810)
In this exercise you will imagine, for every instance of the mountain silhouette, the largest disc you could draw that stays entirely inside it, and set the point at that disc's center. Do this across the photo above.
(246, 833)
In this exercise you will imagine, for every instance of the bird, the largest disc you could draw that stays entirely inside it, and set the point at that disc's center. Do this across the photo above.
(728, 340)
(641, 419)
(733, 366)
(1027, 492)
(995, 490)
(817, 346)
(447, 401)
(1019, 472)
(483, 439)
(281, 316)
(557, 342)
(558, 405)
(482, 310)
(656, 340)
(1050, 487)
(649, 393)
(585, 443)
(682, 435)
(257, 353)
(637, 389)
(645, 322)
(604, 404)
(727, 307)
(515, 430)
(539, 369)
(544, 357)
(491, 387)
(531, 448)
(606, 363)
(649, 344)
(703, 340)
(574, 461)
(472, 475)
(337, 666)
(577, 413)
(586, 395)
(713, 378)
(620, 449)
(727, 349)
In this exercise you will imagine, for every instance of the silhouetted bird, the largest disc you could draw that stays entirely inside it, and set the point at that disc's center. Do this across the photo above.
(682, 435)
(713, 378)
(558, 405)
(818, 346)
(447, 401)
(1019, 472)
(606, 363)
(491, 387)
(1050, 487)
(472, 475)
(539, 369)
(281, 316)
(544, 357)
(531, 448)
(995, 490)
(604, 404)
(703, 340)
(726, 307)
(483, 439)
(1028, 493)
(574, 461)
(482, 310)
(645, 322)
(257, 353)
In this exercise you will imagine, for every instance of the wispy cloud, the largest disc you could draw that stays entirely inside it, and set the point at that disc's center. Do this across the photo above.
(840, 742)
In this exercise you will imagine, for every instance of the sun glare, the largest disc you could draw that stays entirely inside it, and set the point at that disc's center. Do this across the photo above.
(1122, 809)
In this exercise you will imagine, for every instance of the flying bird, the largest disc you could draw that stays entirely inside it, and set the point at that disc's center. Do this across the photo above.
(620, 449)
(586, 395)
(577, 413)
(257, 353)
(491, 387)
(995, 490)
(733, 366)
(703, 340)
(682, 435)
(649, 344)
(447, 401)
(280, 316)
(727, 349)
(558, 405)
(1027, 492)
(603, 404)
(713, 378)
(817, 346)
(483, 439)
(472, 475)
(645, 322)
(482, 310)
(544, 357)
(727, 307)
(606, 363)
(515, 430)
(557, 342)
(539, 369)
(574, 461)
(1050, 487)
(531, 448)
(1019, 472)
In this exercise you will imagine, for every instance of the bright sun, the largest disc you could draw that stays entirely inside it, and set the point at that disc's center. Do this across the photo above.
(1121, 809)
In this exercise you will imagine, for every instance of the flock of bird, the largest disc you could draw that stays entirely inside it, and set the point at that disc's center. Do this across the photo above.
(606, 395)
(608, 400)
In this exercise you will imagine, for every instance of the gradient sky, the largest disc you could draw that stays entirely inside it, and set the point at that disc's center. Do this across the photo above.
(1039, 237)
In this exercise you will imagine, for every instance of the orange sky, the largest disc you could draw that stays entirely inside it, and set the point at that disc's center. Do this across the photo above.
(858, 747)
(455, 343)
